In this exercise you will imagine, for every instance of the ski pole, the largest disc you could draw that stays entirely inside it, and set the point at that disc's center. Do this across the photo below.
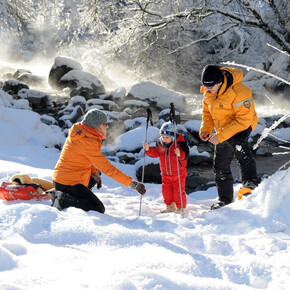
(148, 117)
(172, 118)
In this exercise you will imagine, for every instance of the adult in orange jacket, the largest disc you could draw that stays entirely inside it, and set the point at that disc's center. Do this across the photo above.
(81, 163)
(229, 110)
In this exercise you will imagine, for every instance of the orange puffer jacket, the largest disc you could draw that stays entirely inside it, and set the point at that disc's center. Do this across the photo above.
(81, 157)
(230, 111)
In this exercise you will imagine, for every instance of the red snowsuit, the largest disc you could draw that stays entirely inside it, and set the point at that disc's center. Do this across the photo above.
(169, 173)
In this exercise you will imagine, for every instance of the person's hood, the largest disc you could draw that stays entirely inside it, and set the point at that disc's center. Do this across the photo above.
(236, 73)
(79, 131)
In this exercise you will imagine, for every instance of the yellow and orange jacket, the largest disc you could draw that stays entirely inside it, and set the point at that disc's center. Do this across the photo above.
(81, 157)
(231, 110)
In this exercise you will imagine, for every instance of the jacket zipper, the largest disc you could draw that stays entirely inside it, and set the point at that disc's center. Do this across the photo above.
(169, 160)
(166, 162)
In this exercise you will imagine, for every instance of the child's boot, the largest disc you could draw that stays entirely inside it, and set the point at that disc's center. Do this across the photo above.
(179, 210)
(169, 208)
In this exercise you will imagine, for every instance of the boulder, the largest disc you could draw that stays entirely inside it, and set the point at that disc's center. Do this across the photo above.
(195, 182)
(157, 95)
(151, 173)
(77, 101)
(14, 86)
(35, 98)
(61, 66)
(19, 72)
(83, 82)
(106, 104)
(70, 115)
(165, 115)
(31, 79)
(126, 158)
(199, 159)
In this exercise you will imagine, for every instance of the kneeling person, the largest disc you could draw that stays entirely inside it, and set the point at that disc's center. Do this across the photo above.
(81, 163)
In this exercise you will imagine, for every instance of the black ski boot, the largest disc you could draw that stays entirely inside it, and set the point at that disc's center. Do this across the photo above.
(217, 205)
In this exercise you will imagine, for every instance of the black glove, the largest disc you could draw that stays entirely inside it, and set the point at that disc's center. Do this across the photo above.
(138, 186)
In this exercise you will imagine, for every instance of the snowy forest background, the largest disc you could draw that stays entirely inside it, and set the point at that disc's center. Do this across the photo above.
(165, 41)
(242, 246)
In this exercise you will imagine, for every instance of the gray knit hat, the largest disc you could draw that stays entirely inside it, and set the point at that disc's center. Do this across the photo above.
(94, 118)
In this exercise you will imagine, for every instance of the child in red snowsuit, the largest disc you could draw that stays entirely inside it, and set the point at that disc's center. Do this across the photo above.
(167, 152)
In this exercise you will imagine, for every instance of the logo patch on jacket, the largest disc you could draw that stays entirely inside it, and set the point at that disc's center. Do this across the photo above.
(247, 104)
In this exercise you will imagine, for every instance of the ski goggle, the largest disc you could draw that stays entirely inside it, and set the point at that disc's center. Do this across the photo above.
(169, 133)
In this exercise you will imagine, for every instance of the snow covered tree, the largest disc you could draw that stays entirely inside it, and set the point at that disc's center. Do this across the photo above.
(168, 40)
(153, 17)
(16, 22)
(171, 40)
(272, 17)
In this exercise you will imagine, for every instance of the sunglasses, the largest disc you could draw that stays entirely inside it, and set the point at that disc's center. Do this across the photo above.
(210, 87)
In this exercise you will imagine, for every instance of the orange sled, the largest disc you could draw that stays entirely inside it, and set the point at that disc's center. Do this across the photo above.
(10, 191)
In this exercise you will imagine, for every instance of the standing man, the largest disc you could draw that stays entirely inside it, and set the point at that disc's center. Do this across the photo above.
(228, 108)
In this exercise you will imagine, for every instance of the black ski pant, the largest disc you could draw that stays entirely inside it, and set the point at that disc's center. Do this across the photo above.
(237, 146)
(79, 196)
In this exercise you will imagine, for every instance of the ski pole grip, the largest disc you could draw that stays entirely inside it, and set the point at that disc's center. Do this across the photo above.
(172, 112)
(148, 114)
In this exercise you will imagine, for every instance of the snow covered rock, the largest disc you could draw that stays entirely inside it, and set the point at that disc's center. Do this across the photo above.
(165, 115)
(14, 86)
(125, 157)
(85, 83)
(5, 99)
(61, 66)
(135, 104)
(77, 101)
(157, 95)
(23, 127)
(106, 104)
(19, 72)
(31, 79)
(48, 120)
(70, 115)
(35, 98)
(151, 170)
(134, 123)
(196, 182)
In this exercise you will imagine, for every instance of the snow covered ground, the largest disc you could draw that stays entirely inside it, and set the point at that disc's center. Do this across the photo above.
(242, 246)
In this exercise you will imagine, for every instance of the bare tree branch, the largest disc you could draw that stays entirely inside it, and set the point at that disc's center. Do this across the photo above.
(259, 23)
(257, 70)
(202, 40)
(284, 52)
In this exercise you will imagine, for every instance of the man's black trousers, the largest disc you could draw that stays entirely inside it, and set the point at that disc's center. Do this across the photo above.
(237, 146)
(78, 196)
